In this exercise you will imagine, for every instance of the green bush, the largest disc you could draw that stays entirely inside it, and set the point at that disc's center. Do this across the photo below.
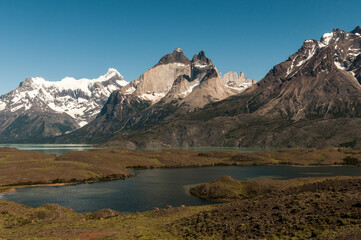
(351, 161)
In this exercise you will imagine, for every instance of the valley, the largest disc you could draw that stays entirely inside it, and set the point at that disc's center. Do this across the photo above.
(180, 119)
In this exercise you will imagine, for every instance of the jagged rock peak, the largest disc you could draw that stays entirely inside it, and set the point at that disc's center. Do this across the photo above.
(356, 30)
(241, 75)
(177, 56)
(201, 59)
(331, 38)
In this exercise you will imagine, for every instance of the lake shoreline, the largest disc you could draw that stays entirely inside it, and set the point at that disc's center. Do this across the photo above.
(96, 165)
(15, 186)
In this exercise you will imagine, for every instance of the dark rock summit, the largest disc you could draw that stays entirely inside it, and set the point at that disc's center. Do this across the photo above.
(177, 56)
(200, 65)
(201, 59)
(356, 30)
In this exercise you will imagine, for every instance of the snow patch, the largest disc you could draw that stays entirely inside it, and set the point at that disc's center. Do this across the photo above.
(179, 64)
(339, 66)
(82, 123)
(241, 87)
(201, 65)
(326, 38)
(14, 109)
(189, 90)
(122, 83)
(2, 105)
(130, 90)
(153, 97)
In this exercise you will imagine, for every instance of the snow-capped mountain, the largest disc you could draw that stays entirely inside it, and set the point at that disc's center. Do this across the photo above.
(165, 82)
(341, 47)
(312, 99)
(322, 79)
(81, 99)
(75, 101)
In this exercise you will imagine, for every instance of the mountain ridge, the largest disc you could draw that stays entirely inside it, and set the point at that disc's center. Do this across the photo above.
(312, 99)
(40, 108)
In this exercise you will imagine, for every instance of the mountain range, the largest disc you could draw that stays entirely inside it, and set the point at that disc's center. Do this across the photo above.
(40, 109)
(312, 99)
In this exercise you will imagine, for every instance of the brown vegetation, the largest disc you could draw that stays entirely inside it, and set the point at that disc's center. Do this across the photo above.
(327, 209)
(31, 168)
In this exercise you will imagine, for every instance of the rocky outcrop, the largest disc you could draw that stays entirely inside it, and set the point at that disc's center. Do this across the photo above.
(237, 82)
(356, 30)
(200, 65)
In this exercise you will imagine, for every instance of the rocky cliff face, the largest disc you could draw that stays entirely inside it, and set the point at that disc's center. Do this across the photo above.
(210, 89)
(155, 83)
(40, 108)
(237, 82)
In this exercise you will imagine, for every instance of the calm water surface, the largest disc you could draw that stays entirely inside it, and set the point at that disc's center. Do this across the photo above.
(158, 187)
(51, 148)
(64, 148)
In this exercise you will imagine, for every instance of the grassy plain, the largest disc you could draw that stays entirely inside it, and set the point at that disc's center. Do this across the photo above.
(24, 168)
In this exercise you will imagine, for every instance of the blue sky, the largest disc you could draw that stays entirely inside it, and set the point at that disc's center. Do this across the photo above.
(83, 38)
